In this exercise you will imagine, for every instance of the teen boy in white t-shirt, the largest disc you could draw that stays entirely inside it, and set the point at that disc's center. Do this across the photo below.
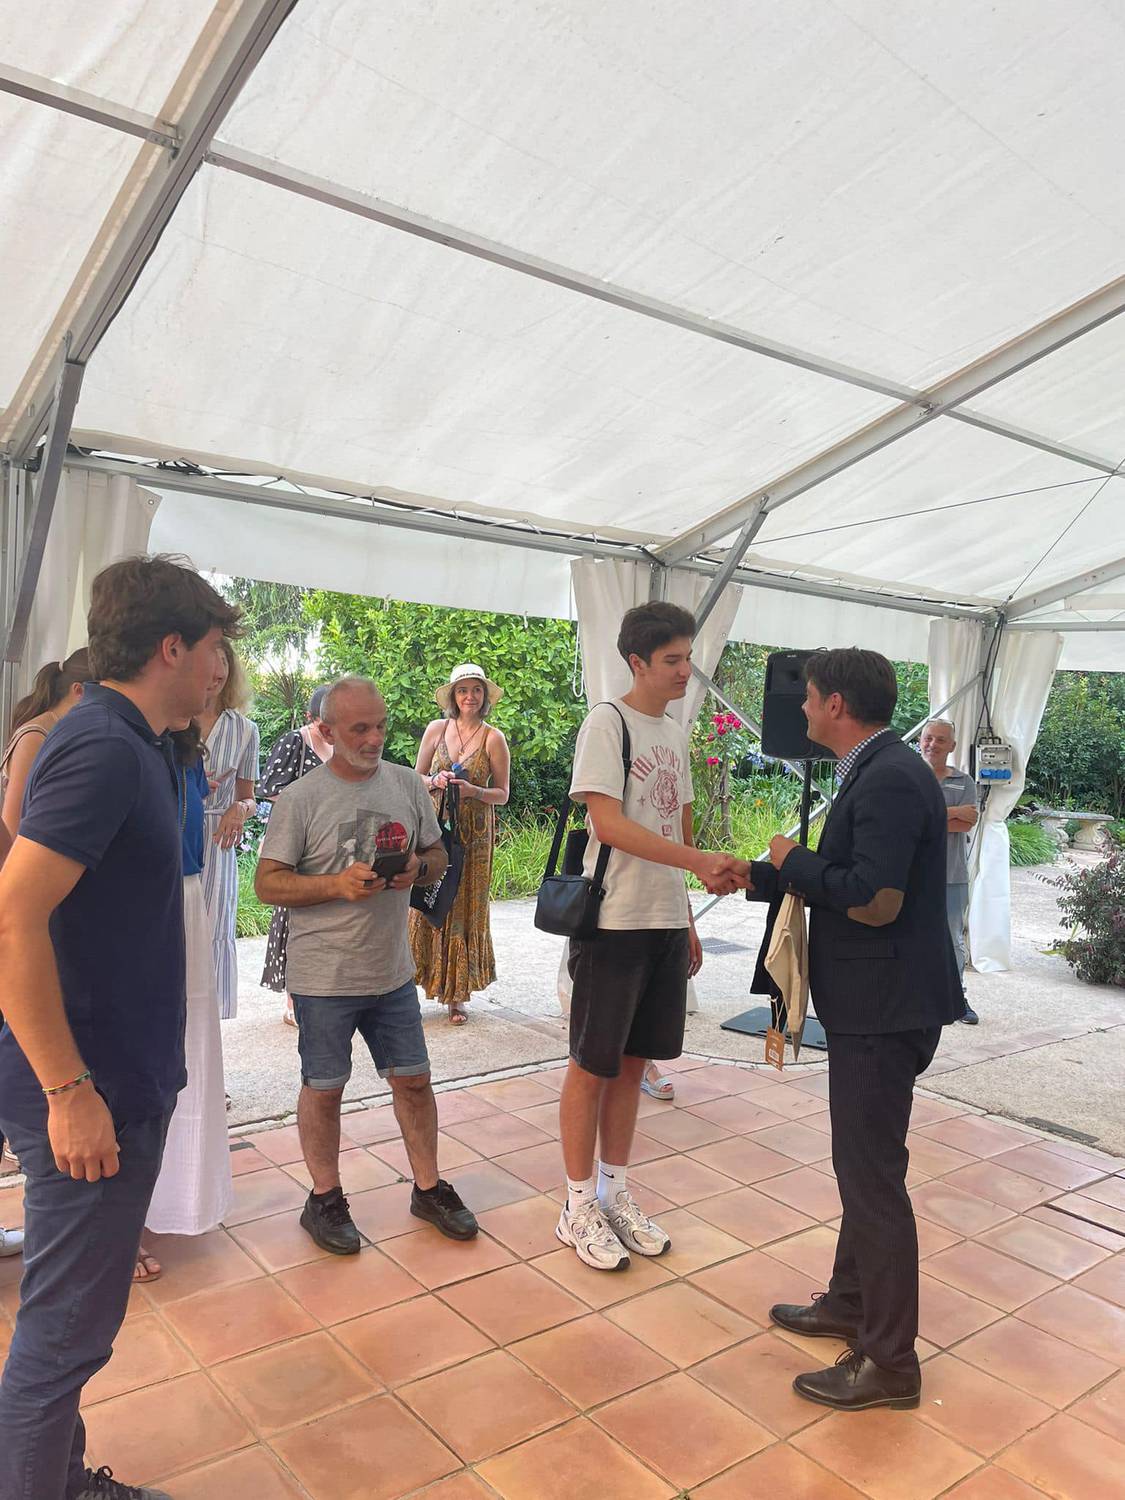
(630, 980)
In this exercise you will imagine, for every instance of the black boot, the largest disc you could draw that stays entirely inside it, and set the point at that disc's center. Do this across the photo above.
(327, 1218)
(856, 1383)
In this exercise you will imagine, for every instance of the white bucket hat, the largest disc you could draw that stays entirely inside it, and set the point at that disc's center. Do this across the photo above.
(466, 671)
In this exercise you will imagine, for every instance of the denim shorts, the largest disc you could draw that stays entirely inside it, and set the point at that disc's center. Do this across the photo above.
(390, 1024)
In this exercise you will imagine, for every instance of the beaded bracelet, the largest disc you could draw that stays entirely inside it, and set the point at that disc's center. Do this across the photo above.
(64, 1088)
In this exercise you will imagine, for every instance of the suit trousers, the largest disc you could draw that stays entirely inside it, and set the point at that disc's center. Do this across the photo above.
(875, 1277)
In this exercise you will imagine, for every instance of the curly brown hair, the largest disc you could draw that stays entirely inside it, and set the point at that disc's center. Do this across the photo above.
(136, 603)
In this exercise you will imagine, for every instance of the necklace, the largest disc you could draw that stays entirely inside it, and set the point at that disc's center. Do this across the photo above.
(461, 742)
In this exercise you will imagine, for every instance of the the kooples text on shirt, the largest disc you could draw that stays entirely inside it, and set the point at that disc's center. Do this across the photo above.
(659, 775)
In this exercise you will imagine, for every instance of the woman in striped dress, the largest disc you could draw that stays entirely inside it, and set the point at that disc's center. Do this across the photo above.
(232, 769)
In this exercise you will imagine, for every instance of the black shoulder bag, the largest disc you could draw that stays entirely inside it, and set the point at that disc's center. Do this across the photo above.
(436, 901)
(568, 903)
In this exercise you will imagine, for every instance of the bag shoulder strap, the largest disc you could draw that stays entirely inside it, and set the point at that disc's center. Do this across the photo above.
(564, 812)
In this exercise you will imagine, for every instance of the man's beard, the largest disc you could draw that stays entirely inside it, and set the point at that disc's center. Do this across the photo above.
(357, 761)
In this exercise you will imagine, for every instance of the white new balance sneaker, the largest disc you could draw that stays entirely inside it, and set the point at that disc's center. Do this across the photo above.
(634, 1229)
(595, 1242)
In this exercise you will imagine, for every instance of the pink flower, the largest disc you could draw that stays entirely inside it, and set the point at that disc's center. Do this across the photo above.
(734, 721)
(710, 737)
(718, 719)
(712, 760)
(721, 729)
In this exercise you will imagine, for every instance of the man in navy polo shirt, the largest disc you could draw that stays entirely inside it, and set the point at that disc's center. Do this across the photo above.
(92, 991)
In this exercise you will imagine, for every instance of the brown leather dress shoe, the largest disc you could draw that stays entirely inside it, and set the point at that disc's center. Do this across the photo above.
(856, 1383)
(812, 1321)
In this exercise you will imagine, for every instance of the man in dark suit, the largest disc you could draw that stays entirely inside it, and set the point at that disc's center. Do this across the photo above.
(883, 979)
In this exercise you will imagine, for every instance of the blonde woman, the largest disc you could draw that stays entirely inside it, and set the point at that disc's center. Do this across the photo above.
(232, 769)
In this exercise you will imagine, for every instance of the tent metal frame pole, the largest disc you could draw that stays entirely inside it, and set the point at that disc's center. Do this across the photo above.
(735, 553)
(11, 533)
(372, 510)
(1079, 627)
(86, 106)
(1029, 604)
(44, 494)
(249, 34)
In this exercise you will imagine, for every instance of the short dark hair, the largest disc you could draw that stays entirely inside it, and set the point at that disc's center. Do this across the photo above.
(649, 626)
(135, 603)
(864, 679)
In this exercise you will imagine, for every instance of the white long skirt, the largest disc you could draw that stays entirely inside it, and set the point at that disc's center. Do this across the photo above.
(193, 1192)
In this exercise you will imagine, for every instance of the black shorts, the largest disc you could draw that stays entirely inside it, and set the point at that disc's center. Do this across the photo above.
(630, 996)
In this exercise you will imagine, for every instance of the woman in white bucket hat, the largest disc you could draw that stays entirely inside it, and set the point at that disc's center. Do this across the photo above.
(462, 749)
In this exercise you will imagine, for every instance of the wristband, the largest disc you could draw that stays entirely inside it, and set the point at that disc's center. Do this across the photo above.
(65, 1088)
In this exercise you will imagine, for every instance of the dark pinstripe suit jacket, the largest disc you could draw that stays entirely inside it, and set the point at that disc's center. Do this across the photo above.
(880, 954)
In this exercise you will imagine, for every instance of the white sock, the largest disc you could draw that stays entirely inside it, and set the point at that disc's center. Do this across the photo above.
(611, 1180)
(579, 1194)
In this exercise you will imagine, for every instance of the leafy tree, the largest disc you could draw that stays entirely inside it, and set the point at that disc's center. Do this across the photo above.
(274, 623)
(1079, 757)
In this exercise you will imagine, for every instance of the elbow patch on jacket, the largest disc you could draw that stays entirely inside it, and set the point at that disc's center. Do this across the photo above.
(883, 907)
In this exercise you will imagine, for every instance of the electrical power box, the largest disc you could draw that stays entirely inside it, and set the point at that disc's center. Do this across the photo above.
(994, 760)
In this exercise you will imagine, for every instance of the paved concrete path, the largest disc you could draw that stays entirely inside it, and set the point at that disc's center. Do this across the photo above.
(1048, 1050)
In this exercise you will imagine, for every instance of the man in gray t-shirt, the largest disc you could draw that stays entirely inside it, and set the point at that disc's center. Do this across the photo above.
(959, 790)
(343, 846)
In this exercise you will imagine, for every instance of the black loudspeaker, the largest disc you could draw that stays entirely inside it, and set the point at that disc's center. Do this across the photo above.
(784, 727)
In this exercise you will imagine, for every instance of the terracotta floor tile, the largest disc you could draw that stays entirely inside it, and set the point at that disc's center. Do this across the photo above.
(815, 1083)
(259, 1194)
(163, 1428)
(526, 1228)
(645, 1149)
(344, 1286)
(514, 1093)
(934, 1237)
(745, 1160)
(1105, 1408)
(437, 1260)
(1047, 1166)
(751, 1216)
(237, 1319)
(793, 1139)
(789, 1103)
(993, 1484)
(998, 1184)
(1088, 1322)
(373, 1451)
(681, 1130)
(366, 1126)
(962, 1212)
(1106, 1280)
(384, 1213)
(1071, 1223)
(691, 1090)
(541, 1166)
(144, 1353)
(977, 1135)
(752, 1283)
(681, 1180)
(575, 1462)
(985, 1273)
(1068, 1460)
(544, 1117)
(1035, 1361)
(976, 1409)
(808, 1189)
(946, 1315)
(282, 1144)
(275, 1244)
(728, 1078)
(409, 1340)
(682, 1323)
(251, 1474)
(813, 1252)
(458, 1105)
(738, 1113)
(886, 1457)
(931, 1159)
(757, 1376)
(779, 1471)
(486, 1405)
(485, 1184)
(246, 1158)
(1042, 1246)
(1109, 1190)
(1086, 1155)
(513, 1303)
(592, 1360)
(695, 1243)
(197, 1262)
(682, 1430)
(929, 1111)
(359, 1172)
(600, 1289)
(294, 1383)
(497, 1133)
(462, 1486)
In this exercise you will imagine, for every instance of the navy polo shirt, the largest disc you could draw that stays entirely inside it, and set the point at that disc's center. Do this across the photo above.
(103, 791)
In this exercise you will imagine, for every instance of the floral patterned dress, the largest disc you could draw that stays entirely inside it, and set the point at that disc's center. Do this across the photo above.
(290, 759)
(453, 962)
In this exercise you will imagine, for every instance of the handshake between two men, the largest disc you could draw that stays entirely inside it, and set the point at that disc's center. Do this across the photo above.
(722, 874)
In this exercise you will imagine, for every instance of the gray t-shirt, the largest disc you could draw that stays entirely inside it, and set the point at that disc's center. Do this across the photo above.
(959, 790)
(321, 825)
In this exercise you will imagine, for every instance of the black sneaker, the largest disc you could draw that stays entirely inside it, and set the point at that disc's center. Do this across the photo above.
(970, 1018)
(329, 1222)
(100, 1484)
(444, 1209)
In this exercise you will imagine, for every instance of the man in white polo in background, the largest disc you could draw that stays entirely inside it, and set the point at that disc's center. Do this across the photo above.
(959, 789)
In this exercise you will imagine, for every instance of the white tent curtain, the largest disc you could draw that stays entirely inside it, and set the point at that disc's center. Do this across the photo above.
(98, 518)
(955, 655)
(1021, 681)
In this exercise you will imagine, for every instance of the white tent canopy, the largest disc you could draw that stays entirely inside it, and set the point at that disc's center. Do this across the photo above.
(430, 299)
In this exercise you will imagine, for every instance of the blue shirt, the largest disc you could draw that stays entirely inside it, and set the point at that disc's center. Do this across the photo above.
(192, 792)
(102, 792)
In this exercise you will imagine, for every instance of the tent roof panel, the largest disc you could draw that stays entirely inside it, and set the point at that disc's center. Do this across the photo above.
(799, 171)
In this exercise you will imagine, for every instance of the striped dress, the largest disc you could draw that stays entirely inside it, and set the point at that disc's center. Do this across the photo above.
(232, 746)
